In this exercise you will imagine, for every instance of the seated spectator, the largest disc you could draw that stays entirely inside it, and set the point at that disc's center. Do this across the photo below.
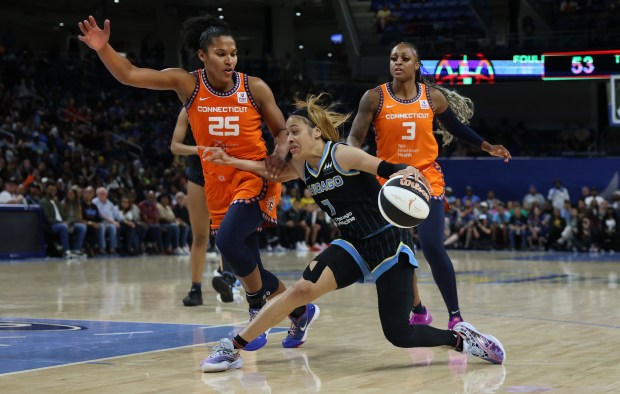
(557, 224)
(56, 225)
(481, 233)
(470, 196)
(10, 195)
(128, 228)
(491, 200)
(33, 195)
(594, 197)
(449, 195)
(611, 230)
(533, 197)
(537, 229)
(499, 224)
(517, 230)
(149, 214)
(583, 240)
(110, 219)
(558, 194)
(71, 212)
(95, 231)
(182, 214)
(168, 224)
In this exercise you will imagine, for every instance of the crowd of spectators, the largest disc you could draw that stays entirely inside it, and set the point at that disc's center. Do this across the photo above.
(537, 222)
(445, 26)
(95, 156)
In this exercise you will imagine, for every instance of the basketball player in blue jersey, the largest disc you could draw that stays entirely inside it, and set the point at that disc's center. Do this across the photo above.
(402, 112)
(342, 181)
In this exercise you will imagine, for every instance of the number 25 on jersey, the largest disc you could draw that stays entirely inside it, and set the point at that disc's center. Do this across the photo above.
(224, 126)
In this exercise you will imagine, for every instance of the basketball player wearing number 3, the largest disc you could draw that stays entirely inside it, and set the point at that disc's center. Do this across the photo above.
(402, 112)
(225, 108)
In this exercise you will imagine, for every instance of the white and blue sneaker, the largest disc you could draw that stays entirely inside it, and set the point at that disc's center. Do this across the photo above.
(260, 340)
(298, 333)
(223, 357)
(485, 346)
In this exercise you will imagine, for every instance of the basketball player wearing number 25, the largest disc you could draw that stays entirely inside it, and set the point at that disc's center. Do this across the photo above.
(343, 183)
(225, 108)
(402, 112)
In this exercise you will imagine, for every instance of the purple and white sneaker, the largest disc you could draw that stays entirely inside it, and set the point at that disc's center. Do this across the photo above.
(223, 357)
(485, 346)
(298, 333)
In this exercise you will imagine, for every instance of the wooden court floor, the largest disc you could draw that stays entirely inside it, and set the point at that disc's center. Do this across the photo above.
(117, 325)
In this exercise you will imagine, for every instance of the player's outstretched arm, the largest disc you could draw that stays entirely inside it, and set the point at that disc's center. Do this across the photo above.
(218, 156)
(126, 73)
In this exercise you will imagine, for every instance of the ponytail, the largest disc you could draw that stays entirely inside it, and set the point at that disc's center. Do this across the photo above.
(199, 32)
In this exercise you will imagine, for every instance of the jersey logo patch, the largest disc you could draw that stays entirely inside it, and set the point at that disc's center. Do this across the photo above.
(424, 104)
(242, 97)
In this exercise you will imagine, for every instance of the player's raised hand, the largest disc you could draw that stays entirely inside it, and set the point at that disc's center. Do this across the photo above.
(93, 36)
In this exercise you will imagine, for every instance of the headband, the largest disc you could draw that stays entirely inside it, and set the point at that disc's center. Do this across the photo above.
(303, 112)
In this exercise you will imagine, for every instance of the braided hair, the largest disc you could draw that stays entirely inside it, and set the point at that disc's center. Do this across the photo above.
(462, 106)
(199, 32)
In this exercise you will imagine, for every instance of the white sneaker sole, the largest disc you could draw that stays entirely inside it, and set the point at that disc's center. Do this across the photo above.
(223, 366)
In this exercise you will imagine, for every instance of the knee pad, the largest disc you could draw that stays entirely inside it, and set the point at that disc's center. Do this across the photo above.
(270, 281)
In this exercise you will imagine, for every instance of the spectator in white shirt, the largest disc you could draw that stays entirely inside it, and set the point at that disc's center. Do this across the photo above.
(110, 217)
(557, 195)
(594, 196)
(10, 194)
(534, 197)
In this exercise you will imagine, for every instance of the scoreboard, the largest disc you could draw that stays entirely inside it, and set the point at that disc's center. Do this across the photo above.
(581, 65)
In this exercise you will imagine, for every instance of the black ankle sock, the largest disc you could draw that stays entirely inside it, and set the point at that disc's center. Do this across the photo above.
(419, 309)
(256, 300)
(239, 343)
(196, 287)
(300, 310)
(458, 342)
(456, 313)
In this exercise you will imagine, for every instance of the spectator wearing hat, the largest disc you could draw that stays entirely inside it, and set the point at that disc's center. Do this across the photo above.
(110, 219)
(56, 224)
(482, 233)
(33, 195)
(449, 196)
(533, 197)
(10, 195)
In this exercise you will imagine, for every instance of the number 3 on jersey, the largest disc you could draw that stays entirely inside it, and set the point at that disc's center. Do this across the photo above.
(224, 126)
(410, 130)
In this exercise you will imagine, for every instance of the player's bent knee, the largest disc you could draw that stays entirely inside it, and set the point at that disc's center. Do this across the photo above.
(398, 334)
(302, 291)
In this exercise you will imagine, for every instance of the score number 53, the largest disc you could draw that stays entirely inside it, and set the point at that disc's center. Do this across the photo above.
(582, 65)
